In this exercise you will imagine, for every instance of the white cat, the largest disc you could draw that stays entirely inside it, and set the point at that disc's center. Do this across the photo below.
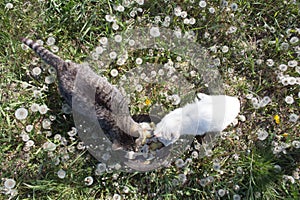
(209, 114)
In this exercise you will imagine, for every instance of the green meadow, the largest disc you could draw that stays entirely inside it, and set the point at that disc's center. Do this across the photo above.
(254, 46)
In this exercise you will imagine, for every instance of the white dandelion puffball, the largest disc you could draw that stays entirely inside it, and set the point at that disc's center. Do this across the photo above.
(88, 180)
(114, 72)
(21, 113)
(9, 6)
(34, 107)
(154, 32)
(9, 183)
(43, 109)
(61, 173)
(209, 114)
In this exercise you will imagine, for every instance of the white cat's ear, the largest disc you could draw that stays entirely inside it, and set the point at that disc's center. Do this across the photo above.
(201, 96)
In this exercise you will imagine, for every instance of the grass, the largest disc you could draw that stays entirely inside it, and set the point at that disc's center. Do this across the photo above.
(248, 167)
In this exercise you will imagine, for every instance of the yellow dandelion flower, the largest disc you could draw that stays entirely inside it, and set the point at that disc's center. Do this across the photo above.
(277, 119)
(285, 134)
(148, 102)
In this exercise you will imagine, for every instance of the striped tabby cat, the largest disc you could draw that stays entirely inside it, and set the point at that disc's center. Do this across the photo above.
(110, 105)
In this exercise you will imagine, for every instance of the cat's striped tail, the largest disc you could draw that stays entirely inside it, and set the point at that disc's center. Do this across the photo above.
(46, 55)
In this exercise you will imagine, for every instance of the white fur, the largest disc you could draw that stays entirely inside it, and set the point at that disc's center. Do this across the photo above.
(211, 113)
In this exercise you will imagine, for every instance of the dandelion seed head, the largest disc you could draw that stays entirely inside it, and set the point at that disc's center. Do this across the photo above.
(110, 18)
(49, 79)
(296, 144)
(43, 109)
(221, 192)
(256, 105)
(262, 134)
(236, 187)
(179, 163)
(225, 49)
(66, 109)
(177, 11)
(139, 61)
(120, 8)
(153, 74)
(61, 174)
(103, 40)
(270, 62)
(182, 178)
(117, 197)
(239, 170)
(294, 40)
(88, 180)
(131, 42)
(132, 13)
(195, 154)
(157, 19)
(54, 48)
(95, 56)
(175, 99)
(203, 182)
(99, 50)
(29, 128)
(154, 32)
(186, 21)
(40, 42)
(216, 166)
(106, 156)
(114, 72)
(292, 63)
(21, 113)
(282, 67)
(287, 178)
(183, 14)
(100, 168)
(192, 21)
(37, 93)
(126, 189)
(277, 149)
(49, 146)
(115, 27)
(29, 143)
(289, 99)
(232, 29)
(140, 2)
(236, 197)
(265, 101)
(36, 71)
(24, 47)
(293, 117)
(118, 38)
(202, 4)
(284, 46)
(50, 41)
(52, 70)
(208, 153)
(277, 168)
(234, 7)
(113, 55)
(9, 183)
(291, 80)
(211, 10)
(9, 6)
(25, 137)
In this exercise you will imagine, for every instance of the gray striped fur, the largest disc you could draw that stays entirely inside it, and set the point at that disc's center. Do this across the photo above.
(111, 106)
